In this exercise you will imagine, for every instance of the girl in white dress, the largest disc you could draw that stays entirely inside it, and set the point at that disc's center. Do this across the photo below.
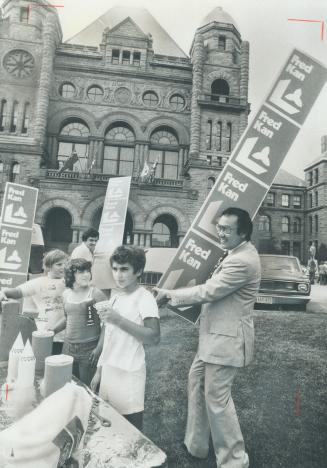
(131, 318)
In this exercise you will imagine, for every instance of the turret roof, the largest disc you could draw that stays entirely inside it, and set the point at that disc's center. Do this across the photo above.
(220, 16)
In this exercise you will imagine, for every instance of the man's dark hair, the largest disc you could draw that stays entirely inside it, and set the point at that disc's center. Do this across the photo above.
(77, 264)
(244, 223)
(91, 232)
(129, 254)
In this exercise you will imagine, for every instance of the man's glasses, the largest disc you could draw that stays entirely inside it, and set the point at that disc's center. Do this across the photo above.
(224, 229)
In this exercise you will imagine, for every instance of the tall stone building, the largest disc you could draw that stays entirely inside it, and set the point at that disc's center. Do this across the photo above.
(122, 94)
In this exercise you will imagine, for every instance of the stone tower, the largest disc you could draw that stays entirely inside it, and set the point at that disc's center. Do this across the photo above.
(29, 34)
(219, 106)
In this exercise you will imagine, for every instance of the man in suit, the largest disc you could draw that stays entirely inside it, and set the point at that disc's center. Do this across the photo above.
(225, 342)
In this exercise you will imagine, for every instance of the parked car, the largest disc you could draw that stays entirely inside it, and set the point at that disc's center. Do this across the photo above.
(283, 282)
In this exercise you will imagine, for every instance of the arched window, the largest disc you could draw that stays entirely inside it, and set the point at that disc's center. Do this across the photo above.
(220, 90)
(26, 118)
(95, 94)
(209, 135)
(264, 223)
(297, 225)
(176, 102)
(3, 114)
(74, 137)
(14, 117)
(211, 183)
(285, 224)
(164, 232)
(219, 133)
(14, 172)
(128, 230)
(67, 90)
(222, 43)
(316, 224)
(164, 153)
(118, 157)
(57, 231)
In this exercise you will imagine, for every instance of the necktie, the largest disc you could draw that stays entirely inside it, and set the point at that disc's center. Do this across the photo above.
(224, 255)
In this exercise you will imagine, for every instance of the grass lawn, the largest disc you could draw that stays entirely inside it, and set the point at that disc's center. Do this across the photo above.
(281, 398)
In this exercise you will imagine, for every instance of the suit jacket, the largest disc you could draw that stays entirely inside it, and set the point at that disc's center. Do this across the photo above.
(226, 323)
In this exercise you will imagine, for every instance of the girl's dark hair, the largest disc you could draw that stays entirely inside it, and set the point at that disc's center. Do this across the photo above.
(129, 254)
(77, 264)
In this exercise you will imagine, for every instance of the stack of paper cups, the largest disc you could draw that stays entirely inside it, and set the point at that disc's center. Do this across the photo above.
(14, 355)
(58, 371)
(42, 347)
(26, 367)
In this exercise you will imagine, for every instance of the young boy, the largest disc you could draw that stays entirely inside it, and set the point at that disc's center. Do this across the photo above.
(45, 294)
(131, 318)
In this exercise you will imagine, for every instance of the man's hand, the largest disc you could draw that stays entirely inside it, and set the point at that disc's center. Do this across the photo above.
(162, 296)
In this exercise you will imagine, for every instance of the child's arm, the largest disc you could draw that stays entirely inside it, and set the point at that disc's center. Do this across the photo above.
(94, 356)
(95, 382)
(149, 333)
(10, 293)
(60, 325)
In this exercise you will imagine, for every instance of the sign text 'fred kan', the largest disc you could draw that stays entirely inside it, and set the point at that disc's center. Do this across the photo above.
(17, 219)
(252, 167)
(192, 254)
(231, 187)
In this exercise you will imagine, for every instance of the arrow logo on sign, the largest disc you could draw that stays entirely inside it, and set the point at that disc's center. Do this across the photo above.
(19, 217)
(277, 97)
(14, 257)
(243, 156)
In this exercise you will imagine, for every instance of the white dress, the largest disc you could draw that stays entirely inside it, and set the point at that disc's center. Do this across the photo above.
(123, 359)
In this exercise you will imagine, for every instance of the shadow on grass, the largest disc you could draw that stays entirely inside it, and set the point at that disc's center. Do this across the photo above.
(280, 398)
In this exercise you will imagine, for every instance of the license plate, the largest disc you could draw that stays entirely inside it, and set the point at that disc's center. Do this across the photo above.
(264, 300)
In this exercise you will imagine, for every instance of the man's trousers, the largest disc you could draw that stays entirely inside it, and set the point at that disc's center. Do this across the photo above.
(211, 410)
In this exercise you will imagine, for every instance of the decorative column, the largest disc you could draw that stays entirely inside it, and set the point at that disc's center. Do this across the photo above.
(148, 240)
(49, 39)
(136, 238)
(197, 60)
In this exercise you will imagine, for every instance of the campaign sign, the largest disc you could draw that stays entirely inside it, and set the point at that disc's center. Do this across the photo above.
(16, 227)
(298, 86)
(112, 222)
(233, 187)
(251, 169)
(111, 230)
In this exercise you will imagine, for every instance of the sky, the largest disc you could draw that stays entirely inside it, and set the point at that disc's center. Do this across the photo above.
(264, 23)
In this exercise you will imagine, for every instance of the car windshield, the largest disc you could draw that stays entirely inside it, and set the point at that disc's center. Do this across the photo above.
(272, 263)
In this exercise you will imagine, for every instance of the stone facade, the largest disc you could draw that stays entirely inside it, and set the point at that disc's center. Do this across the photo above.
(121, 105)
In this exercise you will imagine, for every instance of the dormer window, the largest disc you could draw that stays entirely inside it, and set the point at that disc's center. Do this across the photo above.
(126, 57)
(115, 56)
(24, 13)
(136, 58)
(221, 43)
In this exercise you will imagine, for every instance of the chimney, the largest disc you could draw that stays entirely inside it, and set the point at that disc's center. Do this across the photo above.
(323, 144)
